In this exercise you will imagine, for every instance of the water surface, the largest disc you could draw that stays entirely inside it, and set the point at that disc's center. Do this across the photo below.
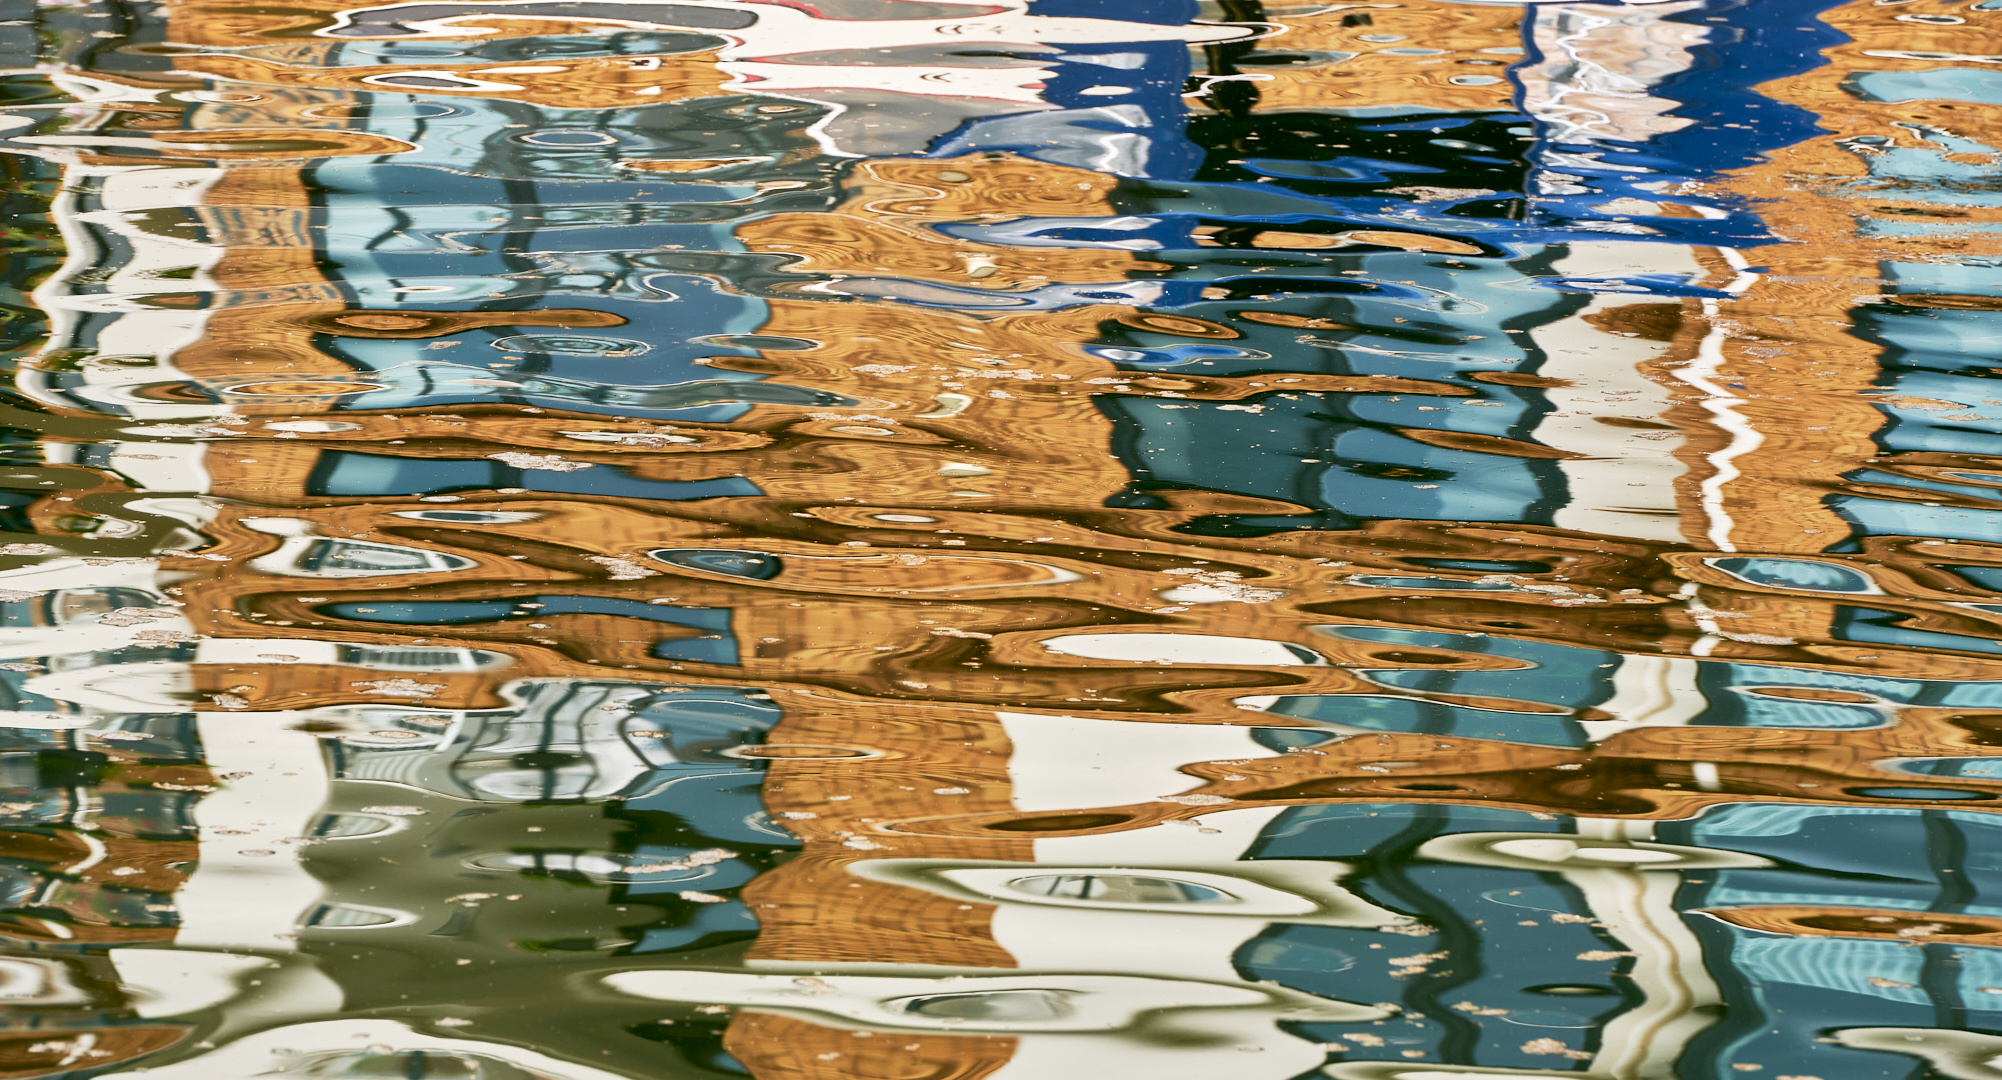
(1031, 539)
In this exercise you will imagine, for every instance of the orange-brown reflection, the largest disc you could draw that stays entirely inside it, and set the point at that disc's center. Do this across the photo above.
(932, 524)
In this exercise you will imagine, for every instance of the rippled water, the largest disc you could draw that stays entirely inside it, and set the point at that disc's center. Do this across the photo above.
(919, 540)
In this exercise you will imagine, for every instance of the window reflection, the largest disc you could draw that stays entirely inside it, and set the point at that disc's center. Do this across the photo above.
(1120, 889)
(992, 1005)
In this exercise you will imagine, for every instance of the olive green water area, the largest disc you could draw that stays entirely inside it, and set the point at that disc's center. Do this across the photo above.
(907, 540)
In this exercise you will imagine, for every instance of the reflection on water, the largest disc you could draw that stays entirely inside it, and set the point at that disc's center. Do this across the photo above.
(895, 540)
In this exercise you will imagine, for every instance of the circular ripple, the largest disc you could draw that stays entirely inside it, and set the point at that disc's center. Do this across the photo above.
(567, 139)
(572, 345)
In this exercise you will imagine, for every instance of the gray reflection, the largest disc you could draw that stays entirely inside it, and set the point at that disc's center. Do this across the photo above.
(1005, 1005)
(1120, 889)
(566, 740)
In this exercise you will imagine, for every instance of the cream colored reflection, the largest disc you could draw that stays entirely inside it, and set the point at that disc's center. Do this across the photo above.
(1621, 478)
(852, 66)
(129, 343)
(1595, 87)
(1118, 938)
(375, 1048)
(1104, 928)
(304, 553)
(473, 756)
(777, 30)
(26, 980)
(1600, 61)
(1628, 883)
(398, 659)
(1179, 899)
(69, 606)
(108, 341)
(1962, 1055)
(1063, 1024)
(1182, 649)
(1073, 762)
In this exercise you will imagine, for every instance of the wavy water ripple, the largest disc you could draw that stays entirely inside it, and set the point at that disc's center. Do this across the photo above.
(911, 540)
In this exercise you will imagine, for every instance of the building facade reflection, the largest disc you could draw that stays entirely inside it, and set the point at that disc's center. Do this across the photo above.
(893, 540)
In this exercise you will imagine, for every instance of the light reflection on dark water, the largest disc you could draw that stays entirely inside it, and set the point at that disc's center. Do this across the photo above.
(910, 540)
